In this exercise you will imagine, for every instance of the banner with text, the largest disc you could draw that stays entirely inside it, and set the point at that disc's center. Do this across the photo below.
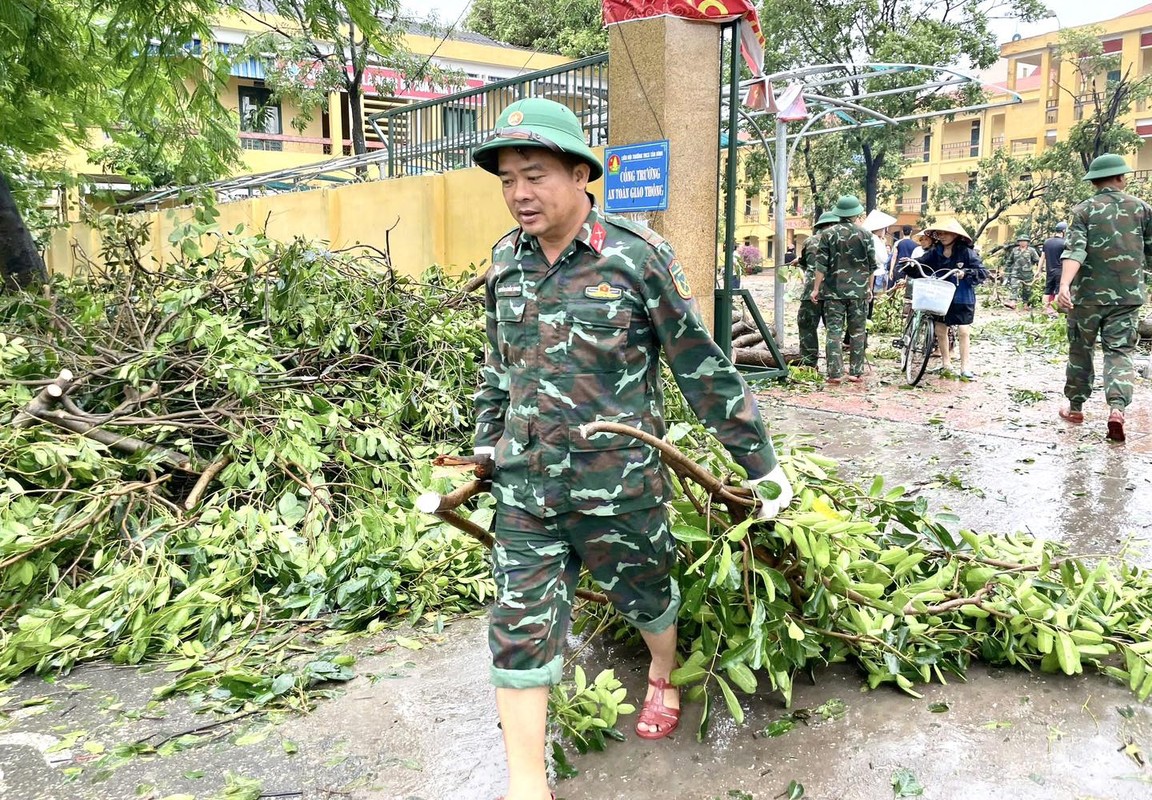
(636, 177)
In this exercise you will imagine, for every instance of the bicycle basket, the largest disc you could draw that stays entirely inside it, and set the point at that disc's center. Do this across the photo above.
(932, 295)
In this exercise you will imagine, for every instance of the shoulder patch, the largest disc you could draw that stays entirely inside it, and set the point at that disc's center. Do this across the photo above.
(679, 279)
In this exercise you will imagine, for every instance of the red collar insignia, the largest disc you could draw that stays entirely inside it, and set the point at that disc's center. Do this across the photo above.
(596, 240)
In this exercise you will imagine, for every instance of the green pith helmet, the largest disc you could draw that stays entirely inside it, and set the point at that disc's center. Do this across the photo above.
(827, 218)
(536, 122)
(1023, 237)
(848, 206)
(1106, 166)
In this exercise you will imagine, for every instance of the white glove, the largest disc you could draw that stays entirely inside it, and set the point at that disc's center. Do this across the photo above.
(768, 509)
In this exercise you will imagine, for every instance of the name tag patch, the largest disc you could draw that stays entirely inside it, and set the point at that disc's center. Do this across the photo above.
(603, 291)
(509, 290)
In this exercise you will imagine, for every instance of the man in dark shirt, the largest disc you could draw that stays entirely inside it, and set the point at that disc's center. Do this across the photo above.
(901, 250)
(1051, 260)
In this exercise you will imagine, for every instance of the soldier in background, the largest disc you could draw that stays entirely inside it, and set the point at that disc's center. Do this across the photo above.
(810, 312)
(578, 305)
(1052, 262)
(845, 259)
(1018, 270)
(1102, 289)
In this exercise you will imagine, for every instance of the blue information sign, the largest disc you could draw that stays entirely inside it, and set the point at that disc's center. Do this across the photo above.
(636, 177)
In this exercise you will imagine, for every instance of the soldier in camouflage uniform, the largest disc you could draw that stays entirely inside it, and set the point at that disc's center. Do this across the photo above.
(579, 305)
(809, 314)
(845, 259)
(1019, 263)
(1102, 289)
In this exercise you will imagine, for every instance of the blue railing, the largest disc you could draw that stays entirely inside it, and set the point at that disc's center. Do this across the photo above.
(440, 135)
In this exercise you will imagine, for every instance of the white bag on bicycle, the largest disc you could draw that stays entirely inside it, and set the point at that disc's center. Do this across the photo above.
(933, 295)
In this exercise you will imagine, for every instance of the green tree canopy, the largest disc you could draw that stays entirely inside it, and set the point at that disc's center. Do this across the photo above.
(572, 28)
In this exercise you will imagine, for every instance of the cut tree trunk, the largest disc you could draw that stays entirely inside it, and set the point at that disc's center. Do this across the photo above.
(762, 357)
(747, 340)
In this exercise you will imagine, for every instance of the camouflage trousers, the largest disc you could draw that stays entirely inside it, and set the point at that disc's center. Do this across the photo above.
(1116, 328)
(839, 314)
(808, 323)
(536, 563)
(1020, 286)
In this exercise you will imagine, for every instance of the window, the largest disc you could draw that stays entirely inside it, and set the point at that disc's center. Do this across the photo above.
(258, 114)
(458, 121)
(1113, 76)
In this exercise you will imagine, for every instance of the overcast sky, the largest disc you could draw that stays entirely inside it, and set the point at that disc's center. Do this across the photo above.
(1067, 13)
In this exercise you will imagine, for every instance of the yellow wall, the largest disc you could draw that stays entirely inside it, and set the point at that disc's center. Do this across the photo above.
(452, 219)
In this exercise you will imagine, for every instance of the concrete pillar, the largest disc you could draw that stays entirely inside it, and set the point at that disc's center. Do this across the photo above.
(665, 79)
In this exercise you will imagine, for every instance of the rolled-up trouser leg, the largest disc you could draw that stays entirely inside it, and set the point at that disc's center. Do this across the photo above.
(536, 564)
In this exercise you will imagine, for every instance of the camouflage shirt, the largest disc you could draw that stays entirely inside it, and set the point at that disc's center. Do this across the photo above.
(1021, 262)
(807, 262)
(579, 341)
(846, 255)
(1111, 237)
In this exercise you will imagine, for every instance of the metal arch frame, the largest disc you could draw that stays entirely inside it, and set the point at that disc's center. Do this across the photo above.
(781, 160)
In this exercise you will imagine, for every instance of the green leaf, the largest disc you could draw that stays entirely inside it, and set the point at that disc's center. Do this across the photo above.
(731, 700)
(905, 784)
(795, 791)
(779, 727)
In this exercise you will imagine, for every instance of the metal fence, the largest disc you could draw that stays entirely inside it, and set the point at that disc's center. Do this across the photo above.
(440, 135)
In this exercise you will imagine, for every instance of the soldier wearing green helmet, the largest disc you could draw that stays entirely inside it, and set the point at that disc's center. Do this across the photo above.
(845, 259)
(579, 305)
(1109, 242)
(810, 312)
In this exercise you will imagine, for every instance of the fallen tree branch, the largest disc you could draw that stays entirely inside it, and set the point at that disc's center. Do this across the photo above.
(45, 400)
(205, 478)
(125, 444)
(675, 460)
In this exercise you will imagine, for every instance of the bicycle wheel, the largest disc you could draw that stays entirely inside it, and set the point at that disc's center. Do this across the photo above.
(920, 345)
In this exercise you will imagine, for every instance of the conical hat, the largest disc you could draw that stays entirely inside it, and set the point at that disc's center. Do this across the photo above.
(949, 226)
(876, 220)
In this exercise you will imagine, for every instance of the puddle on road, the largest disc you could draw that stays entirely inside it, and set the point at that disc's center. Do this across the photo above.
(1092, 498)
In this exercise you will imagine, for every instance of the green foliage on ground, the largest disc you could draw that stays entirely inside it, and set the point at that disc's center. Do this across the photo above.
(308, 384)
(275, 407)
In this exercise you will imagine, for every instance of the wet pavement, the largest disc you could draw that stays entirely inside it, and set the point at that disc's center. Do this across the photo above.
(421, 723)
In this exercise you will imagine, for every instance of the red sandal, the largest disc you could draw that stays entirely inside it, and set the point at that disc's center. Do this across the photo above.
(656, 713)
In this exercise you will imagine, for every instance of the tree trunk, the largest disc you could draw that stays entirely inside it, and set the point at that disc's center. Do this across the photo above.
(20, 262)
(872, 166)
(813, 188)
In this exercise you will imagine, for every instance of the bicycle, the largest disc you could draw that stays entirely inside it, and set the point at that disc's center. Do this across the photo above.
(931, 297)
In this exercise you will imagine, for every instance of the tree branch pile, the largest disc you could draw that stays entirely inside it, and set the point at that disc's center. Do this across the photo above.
(210, 449)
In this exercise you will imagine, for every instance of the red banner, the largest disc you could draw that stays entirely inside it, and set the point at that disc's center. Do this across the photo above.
(751, 34)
